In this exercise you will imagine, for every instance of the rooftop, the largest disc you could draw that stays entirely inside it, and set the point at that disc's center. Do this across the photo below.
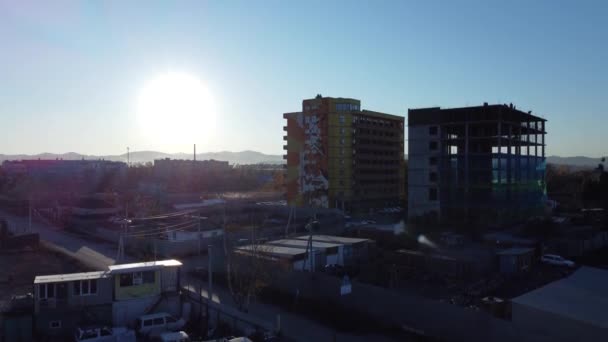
(142, 266)
(59, 278)
(275, 250)
(303, 243)
(502, 237)
(516, 251)
(334, 239)
(581, 296)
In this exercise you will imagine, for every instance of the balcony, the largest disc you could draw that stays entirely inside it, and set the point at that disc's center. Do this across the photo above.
(285, 128)
(285, 137)
(285, 147)
(284, 157)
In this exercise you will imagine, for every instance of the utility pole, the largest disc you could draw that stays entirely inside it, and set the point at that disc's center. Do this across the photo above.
(288, 221)
(209, 266)
(29, 226)
(199, 234)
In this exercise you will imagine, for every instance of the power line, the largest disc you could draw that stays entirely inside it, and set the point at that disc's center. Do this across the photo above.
(159, 233)
(163, 229)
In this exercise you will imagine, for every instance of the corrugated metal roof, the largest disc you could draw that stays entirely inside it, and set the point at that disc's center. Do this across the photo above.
(275, 250)
(58, 278)
(334, 239)
(582, 296)
(142, 266)
(303, 243)
(516, 251)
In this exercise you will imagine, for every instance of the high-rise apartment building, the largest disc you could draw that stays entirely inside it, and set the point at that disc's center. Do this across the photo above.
(482, 163)
(340, 156)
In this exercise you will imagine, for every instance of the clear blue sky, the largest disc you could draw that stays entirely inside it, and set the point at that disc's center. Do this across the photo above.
(70, 72)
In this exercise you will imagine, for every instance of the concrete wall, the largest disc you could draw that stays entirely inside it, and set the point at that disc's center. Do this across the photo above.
(103, 296)
(71, 319)
(124, 313)
(556, 327)
(136, 291)
(419, 169)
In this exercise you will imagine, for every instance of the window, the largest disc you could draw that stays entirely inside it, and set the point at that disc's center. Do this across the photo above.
(433, 145)
(85, 287)
(432, 194)
(171, 319)
(433, 130)
(433, 160)
(46, 291)
(433, 176)
(148, 323)
(55, 324)
(341, 130)
(137, 279)
(159, 321)
(341, 118)
(148, 277)
(126, 280)
(341, 141)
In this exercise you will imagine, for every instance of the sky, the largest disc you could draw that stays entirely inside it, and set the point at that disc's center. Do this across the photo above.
(72, 72)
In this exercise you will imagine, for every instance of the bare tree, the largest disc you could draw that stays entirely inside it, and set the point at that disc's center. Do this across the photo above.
(248, 268)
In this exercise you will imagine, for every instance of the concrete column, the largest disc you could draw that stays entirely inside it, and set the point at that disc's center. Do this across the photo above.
(500, 171)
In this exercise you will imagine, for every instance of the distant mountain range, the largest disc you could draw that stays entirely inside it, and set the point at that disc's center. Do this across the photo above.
(243, 157)
(578, 161)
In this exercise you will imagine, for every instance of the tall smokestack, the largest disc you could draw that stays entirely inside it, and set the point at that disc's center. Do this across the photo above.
(194, 152)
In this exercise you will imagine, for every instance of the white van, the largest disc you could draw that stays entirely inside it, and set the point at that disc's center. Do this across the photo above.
(155, 324)
(104, 334)
(179, 336)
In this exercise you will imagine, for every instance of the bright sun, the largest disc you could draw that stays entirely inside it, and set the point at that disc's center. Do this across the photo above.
(175, 110)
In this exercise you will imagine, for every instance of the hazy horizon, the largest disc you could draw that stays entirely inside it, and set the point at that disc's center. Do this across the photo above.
(74, 72)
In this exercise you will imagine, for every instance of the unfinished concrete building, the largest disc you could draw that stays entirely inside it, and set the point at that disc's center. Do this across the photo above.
(475, 164)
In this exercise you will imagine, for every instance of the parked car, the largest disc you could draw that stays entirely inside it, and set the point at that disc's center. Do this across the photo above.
(178, 336)
(155, 324)
(98, 334)
(556, 260)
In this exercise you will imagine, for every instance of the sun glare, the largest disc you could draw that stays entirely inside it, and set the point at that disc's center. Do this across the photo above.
(175, 109)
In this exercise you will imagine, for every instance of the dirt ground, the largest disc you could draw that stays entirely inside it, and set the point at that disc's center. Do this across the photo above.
(19, 269)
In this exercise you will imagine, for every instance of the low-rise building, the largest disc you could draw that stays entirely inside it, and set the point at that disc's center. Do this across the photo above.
(330, 253)
(63, 302)
(515, 260)
(144, 287)
(295, 254)
(288, 258)
(117, 296)
(353, 250)
(167, 168)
